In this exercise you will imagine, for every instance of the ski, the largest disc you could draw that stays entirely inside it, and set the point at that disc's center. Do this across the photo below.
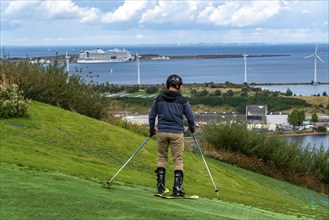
(162, 194)
(180, 197)
(167, 195)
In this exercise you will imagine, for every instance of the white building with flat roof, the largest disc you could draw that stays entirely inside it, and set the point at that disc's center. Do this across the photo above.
(277, 119)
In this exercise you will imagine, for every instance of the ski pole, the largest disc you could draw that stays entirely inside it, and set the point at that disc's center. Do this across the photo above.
(197, 144)
(109, 182)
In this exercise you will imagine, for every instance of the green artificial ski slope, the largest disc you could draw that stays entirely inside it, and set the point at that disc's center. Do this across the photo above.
(54, 163)
(40, 195)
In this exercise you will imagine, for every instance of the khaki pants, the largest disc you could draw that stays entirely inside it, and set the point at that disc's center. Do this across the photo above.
(176, 143)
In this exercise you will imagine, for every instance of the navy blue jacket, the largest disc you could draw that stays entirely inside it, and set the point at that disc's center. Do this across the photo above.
(170, 107)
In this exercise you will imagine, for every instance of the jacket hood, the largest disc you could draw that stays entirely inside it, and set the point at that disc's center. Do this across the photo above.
(170, 96)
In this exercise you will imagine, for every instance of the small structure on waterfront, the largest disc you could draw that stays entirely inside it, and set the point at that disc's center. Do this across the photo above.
(277, 118)
(256, 114)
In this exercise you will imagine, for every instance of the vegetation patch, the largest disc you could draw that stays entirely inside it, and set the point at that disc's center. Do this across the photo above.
(236, 138)
(94, 150)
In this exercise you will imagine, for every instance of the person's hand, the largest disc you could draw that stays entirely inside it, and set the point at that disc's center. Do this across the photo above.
(152, 132)
(192, 129)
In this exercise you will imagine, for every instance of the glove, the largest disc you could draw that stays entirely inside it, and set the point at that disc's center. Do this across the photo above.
(152, 132)
(192, 129)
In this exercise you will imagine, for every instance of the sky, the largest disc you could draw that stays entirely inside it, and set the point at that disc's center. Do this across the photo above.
(82, 22)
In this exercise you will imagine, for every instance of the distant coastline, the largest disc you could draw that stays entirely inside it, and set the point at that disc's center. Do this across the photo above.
(74, 57)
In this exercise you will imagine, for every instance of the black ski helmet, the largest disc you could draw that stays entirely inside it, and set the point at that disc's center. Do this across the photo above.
(175, 81)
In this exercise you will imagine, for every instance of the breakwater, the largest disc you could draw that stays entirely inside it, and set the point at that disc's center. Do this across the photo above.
(155, 57)
(289, 83)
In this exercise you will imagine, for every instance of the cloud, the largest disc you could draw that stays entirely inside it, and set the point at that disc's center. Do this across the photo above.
(125, 12)
(180, 12)
(18, 6)
(239, 14)
(48, 10)
(139, 36)
(153, 21)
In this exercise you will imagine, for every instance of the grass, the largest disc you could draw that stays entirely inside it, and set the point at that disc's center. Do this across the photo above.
(57, 141)
(315, 100)
(42, 195)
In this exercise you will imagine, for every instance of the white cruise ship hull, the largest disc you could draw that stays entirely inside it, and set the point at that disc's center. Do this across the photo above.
(100, 61)
(101, 56)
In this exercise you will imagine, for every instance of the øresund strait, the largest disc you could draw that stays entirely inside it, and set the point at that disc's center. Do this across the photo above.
(266, 64)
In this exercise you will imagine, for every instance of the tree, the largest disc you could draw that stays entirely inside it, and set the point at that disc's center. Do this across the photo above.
(314, 118)
(229, 93)
(244, 93)
(296, 117)
(324, 93)
(217, 93)
(151, 89)
(288, 92)
(262, 93)
(204, 92)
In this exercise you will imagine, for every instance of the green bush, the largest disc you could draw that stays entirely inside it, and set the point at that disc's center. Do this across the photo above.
(152, 89)
(217, 93)
(201, 93)
(322, 129)
(51, 84)
(107, 87)
(235, 137)
(12, 102)
(132, 89)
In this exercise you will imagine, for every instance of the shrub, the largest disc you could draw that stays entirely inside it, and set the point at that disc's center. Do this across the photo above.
(107, 87)
(235, 137)
(288, 92)
(229, 93)
(217, 92)
(151, 90)
(51, 84)
(12, 102)
(322, 129)
(132, 89)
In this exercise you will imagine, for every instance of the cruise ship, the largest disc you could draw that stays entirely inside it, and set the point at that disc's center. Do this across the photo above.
(107, 56)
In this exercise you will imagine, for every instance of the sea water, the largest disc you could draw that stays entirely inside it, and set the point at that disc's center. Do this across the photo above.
(290, 68)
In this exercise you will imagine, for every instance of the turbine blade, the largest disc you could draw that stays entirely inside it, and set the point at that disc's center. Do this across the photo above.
(309, 56)
(319, 58)
(316, 49)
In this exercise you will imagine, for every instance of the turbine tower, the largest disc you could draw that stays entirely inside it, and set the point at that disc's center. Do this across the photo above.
(245, 66)
(138, 70)
(315, 55)
(67, 57)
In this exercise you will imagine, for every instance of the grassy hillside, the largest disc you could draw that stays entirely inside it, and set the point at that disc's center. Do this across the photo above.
(57, 141)
(40, 195)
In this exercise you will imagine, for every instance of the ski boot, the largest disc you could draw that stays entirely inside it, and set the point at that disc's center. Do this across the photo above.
(178, 181)
(161, 177)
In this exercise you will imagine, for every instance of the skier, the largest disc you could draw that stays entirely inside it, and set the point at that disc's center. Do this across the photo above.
(170, 107)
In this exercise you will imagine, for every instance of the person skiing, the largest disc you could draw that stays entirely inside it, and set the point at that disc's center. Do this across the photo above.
(171, 107)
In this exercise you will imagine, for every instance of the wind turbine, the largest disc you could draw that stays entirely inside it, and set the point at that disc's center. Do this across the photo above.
(315, 55)
(245, 66)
